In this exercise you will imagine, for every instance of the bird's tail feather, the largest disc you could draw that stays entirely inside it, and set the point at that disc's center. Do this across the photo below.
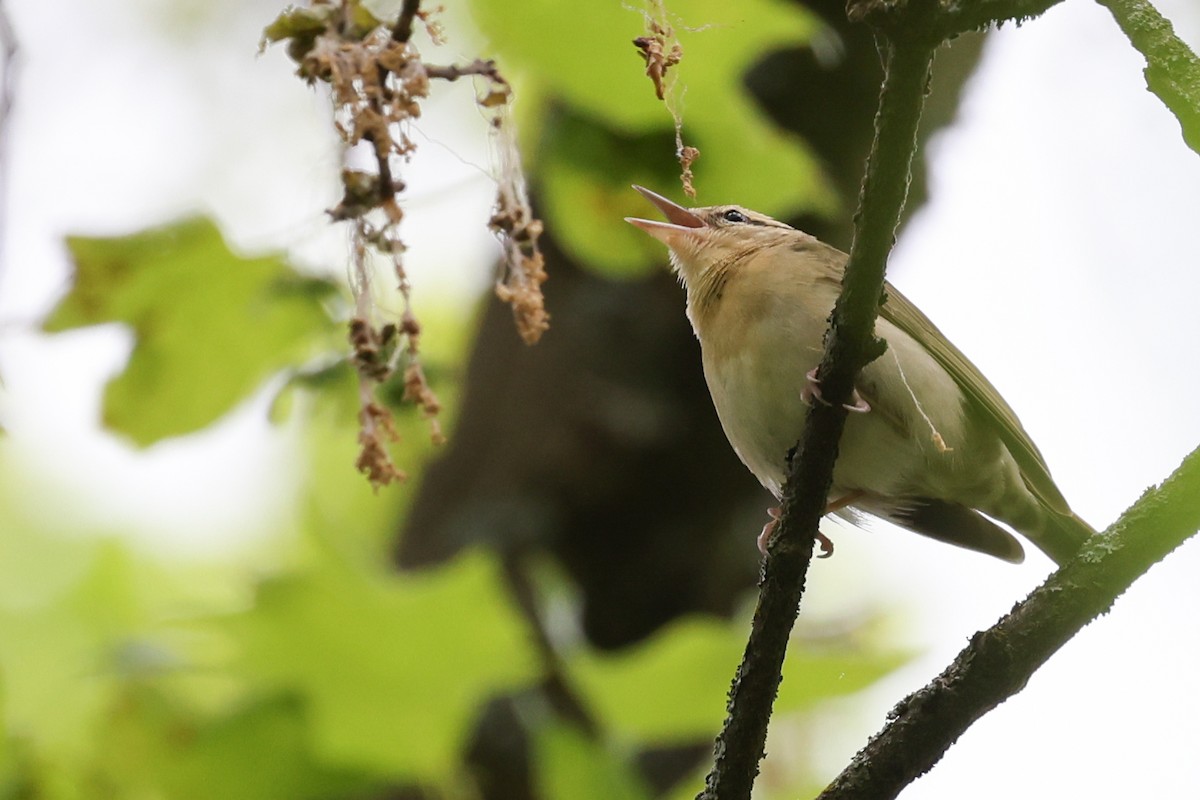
(1062, 536)
(951, 523)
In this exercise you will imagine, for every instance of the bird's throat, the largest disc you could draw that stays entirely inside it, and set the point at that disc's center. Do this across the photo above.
(706, 285)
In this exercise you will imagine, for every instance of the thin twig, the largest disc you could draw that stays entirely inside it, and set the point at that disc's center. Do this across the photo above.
(557, 685)
(453, 72)
(403, 30)
(999, 661)
(1172, 69)
(850, 345)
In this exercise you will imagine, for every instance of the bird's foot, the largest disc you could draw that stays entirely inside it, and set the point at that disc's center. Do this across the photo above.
(812, 391)
(769, 529)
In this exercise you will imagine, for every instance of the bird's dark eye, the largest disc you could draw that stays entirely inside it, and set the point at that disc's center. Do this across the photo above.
(733, 215)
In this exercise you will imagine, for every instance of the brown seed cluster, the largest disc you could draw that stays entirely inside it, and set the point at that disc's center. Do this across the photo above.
(687, 154)
(521, 286)
(377, 81)
(661, 51)
(376, 429)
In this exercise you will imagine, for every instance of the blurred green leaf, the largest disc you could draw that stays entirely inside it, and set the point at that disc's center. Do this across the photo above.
(585, 54)
(393, 668)
(81, 618)
(572, 766)
(110, 690)
(303, 21)
(209, 326)
(583, 62)
(673, 687)
(57, 635)
(587, 170)
(339, 507)
(831, 670)
(155, 748)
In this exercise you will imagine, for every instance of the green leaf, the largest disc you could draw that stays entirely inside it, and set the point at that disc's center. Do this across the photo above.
(824, 672)
(587, 171)
(1172, 69)
(209, 326)
(583, 64)
(392, 668)
(673, 687)
(299, 22)
(585, 54)
(81, 619)
(569, 764)
(66, 604)
(153, 747)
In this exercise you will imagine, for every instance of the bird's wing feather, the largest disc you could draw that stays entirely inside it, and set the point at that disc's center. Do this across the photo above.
(980, 392)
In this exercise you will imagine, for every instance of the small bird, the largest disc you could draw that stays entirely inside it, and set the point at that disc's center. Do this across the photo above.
(934, 448)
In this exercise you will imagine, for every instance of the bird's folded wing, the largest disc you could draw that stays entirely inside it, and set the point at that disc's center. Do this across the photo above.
(980, 392)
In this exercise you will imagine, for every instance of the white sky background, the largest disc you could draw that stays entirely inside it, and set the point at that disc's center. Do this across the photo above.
(1059, 250)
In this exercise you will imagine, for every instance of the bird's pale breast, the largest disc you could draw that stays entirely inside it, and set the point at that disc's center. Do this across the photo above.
(756, 355)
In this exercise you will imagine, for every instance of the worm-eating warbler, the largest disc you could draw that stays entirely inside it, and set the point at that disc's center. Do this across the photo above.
(936, 450)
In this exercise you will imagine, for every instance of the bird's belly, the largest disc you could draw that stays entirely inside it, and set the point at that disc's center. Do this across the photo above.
(761, 424)
(759, 404)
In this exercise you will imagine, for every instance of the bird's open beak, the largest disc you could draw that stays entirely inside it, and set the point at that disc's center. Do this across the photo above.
(681, 222)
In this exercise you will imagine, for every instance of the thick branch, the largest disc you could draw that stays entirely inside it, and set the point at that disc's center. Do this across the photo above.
(953, 18)
(850, 345)
(973, 15)
(1172, 69)
(1000, 660)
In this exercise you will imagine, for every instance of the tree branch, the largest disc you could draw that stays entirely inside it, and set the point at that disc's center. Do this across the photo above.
(403, 29)
(452, 72)
(1172, 69)
(999, 661)
(850, 345)
(973, 15)
(955, 17)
